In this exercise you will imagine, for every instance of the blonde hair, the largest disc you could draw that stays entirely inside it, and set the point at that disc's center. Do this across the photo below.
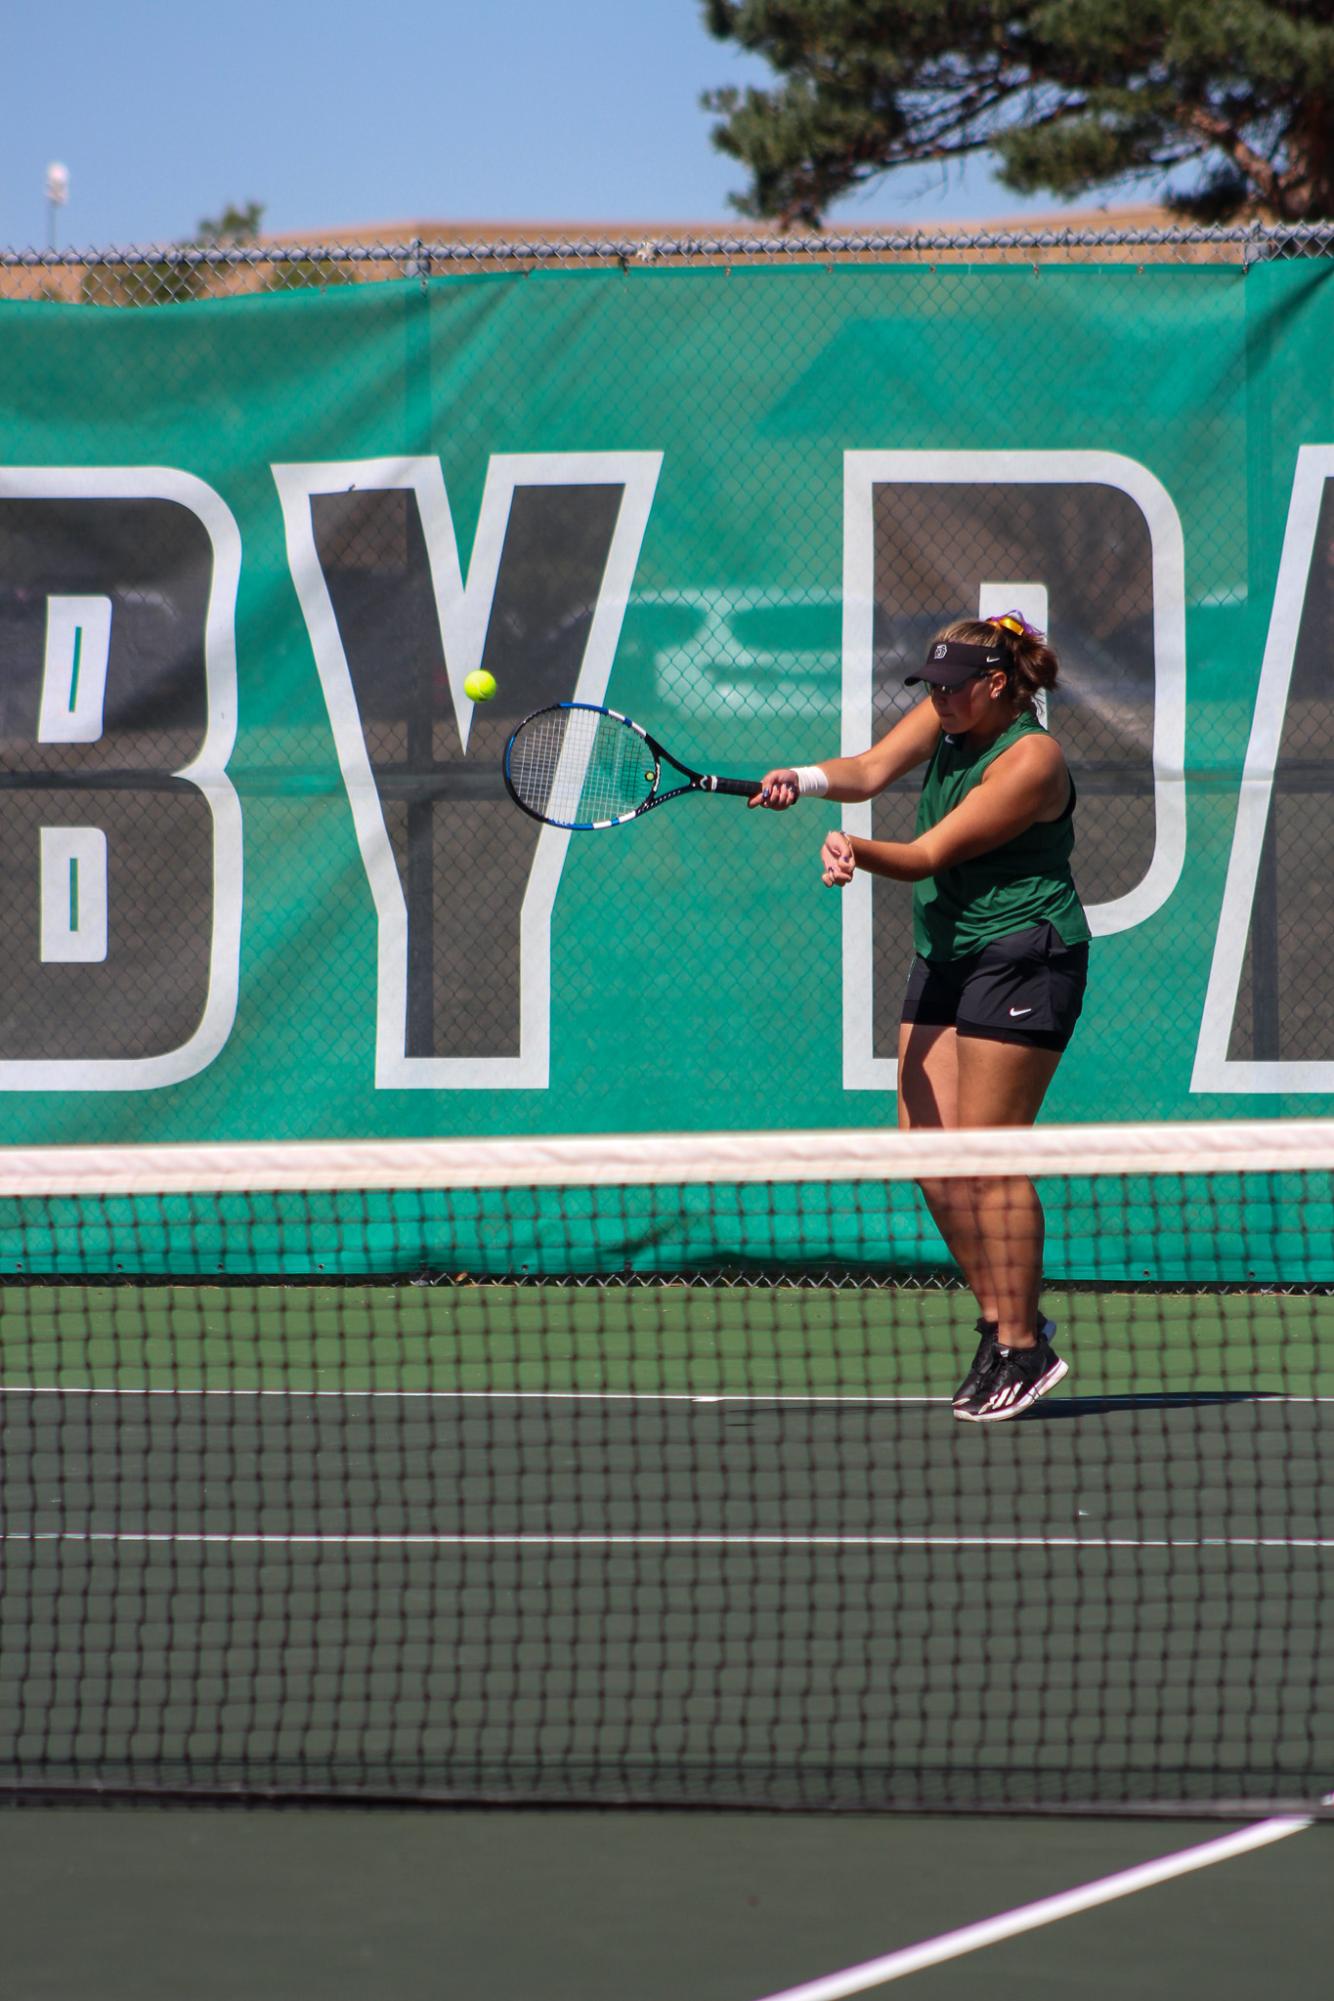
(1030, 664)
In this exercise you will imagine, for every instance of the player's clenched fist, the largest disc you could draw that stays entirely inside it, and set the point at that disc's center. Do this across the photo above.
(838, 860)
(777, 790)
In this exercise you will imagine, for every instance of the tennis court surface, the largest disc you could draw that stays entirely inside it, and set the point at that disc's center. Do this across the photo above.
(129, 1903)
(634, 1483)
(647, 1490)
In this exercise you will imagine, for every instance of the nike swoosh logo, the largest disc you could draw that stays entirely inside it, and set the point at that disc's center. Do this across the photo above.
(1017, 1011)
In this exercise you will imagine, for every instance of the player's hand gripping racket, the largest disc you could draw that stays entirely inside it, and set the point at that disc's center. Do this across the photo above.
(574, 765)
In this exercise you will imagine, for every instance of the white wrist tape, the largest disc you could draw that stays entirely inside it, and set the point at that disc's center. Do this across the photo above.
(811, 781)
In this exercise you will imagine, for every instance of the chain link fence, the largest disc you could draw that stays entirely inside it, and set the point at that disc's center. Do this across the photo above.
(732, 486)
(152, 276)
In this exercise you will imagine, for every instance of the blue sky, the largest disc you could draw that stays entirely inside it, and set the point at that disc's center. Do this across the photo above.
(523, 110)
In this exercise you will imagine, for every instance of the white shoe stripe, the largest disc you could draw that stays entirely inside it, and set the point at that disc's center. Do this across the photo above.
(1013, 1398)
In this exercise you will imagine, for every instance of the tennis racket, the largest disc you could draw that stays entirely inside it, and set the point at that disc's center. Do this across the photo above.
(574, 765)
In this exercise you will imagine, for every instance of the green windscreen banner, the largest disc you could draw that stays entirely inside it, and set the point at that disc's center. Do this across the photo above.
(261, 878)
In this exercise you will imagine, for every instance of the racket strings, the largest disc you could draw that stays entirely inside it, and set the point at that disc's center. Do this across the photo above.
(579, 766)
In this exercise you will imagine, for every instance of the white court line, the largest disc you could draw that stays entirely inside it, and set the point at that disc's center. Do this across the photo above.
(591, 1539)
(1151, 1399)
(854, 1397)
(1031, 1917)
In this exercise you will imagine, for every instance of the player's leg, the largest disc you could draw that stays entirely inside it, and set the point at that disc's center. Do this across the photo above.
(1017, 1008)
(1003, 1084)
(929, 1099)
(991, 1224)
(983, 1071)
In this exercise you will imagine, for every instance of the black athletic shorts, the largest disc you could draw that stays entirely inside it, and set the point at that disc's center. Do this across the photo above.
(1028, 987)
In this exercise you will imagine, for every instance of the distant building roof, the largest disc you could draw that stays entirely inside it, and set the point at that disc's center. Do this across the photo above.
(1140, 216)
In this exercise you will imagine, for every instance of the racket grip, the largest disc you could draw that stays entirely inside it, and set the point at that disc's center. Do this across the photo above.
(741, 788)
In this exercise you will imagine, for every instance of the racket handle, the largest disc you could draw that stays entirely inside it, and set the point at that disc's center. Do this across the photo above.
(741, 788)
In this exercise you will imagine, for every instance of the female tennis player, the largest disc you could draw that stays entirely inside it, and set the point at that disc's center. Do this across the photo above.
(1002, 956)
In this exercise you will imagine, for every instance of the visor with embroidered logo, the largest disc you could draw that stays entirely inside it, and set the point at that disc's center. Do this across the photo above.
(950, 663)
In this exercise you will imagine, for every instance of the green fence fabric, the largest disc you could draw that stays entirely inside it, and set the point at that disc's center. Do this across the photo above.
(1262, 1234)
(261, 880)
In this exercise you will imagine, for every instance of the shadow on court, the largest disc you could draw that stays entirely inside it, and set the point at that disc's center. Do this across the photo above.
(1111, 1406)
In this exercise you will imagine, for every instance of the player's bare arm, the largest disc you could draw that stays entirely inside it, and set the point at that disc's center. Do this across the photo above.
(851, 779)
(1028, 784)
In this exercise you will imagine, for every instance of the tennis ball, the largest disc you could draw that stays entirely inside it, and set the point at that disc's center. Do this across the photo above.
(480, 687)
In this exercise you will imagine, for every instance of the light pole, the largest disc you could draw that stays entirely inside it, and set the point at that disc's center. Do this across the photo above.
(57, 194)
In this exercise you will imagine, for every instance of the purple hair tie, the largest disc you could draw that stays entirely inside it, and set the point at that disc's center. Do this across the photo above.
(1014, 621)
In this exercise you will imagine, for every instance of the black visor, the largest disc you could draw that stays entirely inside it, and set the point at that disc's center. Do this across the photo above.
(949, 663)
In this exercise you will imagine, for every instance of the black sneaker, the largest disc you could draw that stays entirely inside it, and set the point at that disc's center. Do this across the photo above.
(988, 1357)
(984, 1361)
(1020, 1377)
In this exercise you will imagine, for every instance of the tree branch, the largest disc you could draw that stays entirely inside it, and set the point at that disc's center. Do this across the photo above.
(1218, 131)
(939, 141)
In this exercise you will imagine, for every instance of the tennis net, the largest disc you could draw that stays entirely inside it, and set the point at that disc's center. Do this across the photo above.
(625, 1471)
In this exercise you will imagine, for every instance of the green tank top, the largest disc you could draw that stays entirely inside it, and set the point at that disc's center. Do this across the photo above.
(1026, 881)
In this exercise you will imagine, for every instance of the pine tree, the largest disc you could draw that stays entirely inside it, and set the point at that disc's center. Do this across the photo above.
(1070, 95)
